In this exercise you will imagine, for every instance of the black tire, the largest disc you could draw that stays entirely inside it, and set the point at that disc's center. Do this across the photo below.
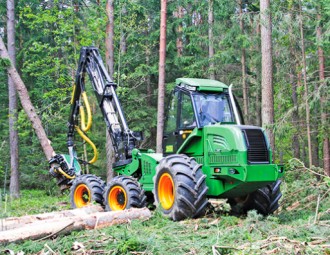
(123, 192)
(86, 188)
(180, 189)
(264, 200)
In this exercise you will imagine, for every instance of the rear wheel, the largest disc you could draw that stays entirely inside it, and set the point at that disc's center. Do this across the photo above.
(264, 200)
(85, 189)
(123, 192)
(179, 187)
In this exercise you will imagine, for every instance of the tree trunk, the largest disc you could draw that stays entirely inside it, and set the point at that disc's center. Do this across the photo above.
(211, 44)
(294, 95)
(243, 62)
(14, 187)
(305, 86)
(109, 40)
(315, 127)
(326, 149)
(27, 105)
(148, 79)
(123, 46)
(109, 56)
(179, 41)
(257, 90)
(267, 94)
(295, 117)
(161, 78)
(17, 222)
(41, 228)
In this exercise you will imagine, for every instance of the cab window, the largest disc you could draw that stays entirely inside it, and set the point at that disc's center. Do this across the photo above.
(213, 108)
(187, 117)
(171, 122)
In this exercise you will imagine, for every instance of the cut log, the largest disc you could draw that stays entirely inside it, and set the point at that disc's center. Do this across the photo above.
(16, 222)
(46, 228)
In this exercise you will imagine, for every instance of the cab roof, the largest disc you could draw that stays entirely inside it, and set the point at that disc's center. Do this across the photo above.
(194, 84)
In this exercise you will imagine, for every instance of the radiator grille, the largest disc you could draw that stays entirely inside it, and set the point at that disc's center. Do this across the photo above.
(257, 147)
(200, 160)
(223, 159)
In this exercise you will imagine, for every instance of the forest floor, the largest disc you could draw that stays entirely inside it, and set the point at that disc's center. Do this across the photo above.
(300, 226)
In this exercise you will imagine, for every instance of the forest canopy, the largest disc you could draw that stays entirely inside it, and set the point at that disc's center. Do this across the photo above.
(49, 35)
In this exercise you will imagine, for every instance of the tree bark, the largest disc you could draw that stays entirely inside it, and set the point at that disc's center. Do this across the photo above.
(109, 56)
(267, 93)
(211, 39)
(123, 46)
(243, 62)
(14, 187)
(257, 91)
(295, 117)
(161, 78)
(325, 142)
(62, 224)
(303, 53)
(27, 105)
(179, 41)
(17, 222)
(109, 44)
(294, 95)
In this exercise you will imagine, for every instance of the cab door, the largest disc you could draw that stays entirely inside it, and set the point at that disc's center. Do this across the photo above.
(171, 124)
(179, 123)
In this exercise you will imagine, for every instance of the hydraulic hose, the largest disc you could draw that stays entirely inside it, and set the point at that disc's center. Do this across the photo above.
(65, 174)
(85, 137)
(73, 94)
(85, 127)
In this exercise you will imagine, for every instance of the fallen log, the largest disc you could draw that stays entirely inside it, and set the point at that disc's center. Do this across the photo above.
(16, 222)
(50, 227)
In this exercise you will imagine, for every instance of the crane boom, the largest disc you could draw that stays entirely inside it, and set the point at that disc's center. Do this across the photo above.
(123, 139)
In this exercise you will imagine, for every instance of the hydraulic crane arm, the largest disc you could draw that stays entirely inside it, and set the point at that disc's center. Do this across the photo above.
(123, 139)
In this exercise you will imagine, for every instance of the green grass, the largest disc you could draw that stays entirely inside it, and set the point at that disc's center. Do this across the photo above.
(33, 202)
(292, 230)
(214, 234)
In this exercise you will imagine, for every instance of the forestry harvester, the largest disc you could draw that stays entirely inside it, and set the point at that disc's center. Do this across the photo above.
(207, 151)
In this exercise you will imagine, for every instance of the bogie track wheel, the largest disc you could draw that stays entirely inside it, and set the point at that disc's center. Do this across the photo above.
(179, 187)
(123, 192)
(86, 188)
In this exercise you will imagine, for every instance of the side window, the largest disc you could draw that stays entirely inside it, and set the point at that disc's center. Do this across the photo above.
(171, 120)
(187, 118)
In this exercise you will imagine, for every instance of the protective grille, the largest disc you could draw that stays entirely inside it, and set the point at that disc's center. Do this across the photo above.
(223, 159)
(257, 147)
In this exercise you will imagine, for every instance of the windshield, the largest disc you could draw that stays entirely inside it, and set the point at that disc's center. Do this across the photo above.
(212, 108)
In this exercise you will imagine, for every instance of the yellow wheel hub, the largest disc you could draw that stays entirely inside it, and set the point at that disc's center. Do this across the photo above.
(166, 191)
(117, 198)
(82, 195)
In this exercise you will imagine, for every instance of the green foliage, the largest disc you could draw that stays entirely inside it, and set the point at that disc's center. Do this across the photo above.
(49, 36)
(34, 202)
(4, 63)
(4, 134)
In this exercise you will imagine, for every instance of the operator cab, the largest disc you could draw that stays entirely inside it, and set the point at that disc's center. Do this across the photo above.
(195, 103)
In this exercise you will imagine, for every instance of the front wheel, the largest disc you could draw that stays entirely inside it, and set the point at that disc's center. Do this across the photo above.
(180, 188)
(85, 189)
(123, 192)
